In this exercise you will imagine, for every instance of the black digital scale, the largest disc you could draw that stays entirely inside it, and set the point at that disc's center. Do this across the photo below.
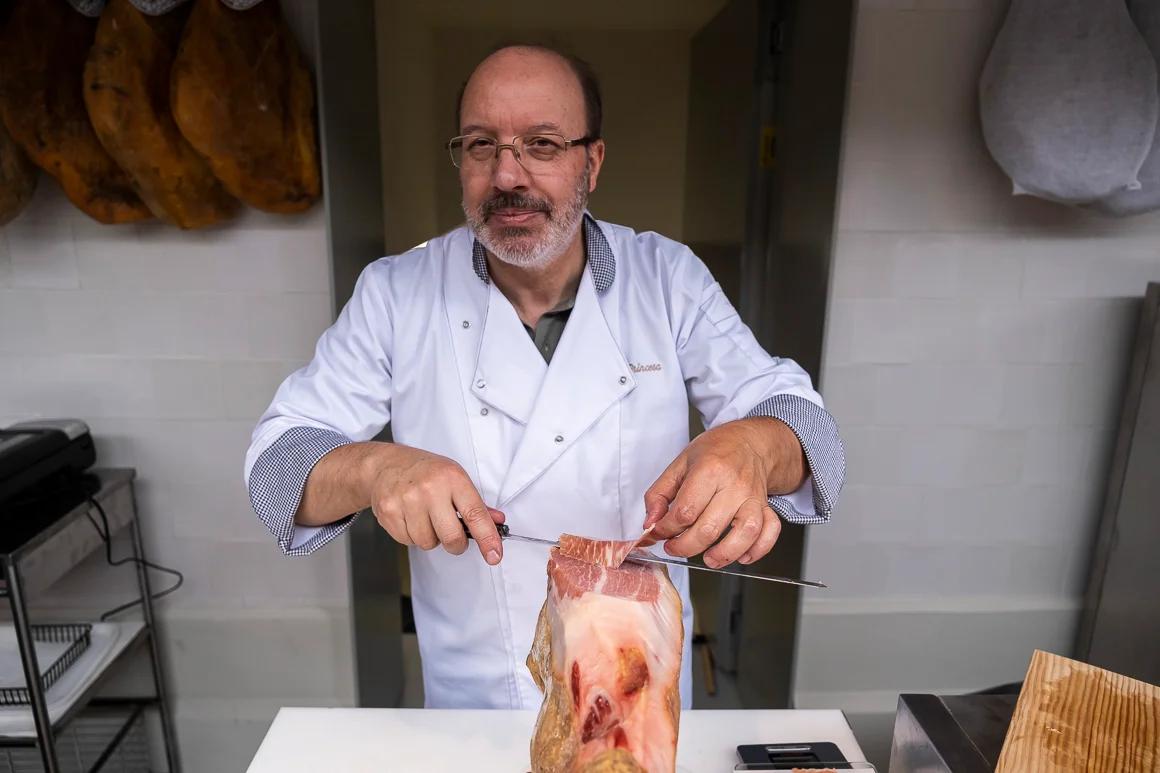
(791, 756)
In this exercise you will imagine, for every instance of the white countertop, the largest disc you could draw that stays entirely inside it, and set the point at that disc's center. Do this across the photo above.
(438, 740)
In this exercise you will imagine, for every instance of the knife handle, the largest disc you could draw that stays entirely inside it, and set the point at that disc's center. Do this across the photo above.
(502, 528)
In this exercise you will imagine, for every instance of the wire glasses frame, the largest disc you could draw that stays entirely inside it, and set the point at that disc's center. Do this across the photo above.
(539, 149)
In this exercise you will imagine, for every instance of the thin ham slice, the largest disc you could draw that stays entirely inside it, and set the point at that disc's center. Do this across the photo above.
(602, 552)
(607, 655)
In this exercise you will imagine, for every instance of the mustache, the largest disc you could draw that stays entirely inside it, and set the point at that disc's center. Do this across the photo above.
(511, 200)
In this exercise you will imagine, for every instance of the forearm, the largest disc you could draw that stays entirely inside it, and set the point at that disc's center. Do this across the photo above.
(781, 451)
(341, 482)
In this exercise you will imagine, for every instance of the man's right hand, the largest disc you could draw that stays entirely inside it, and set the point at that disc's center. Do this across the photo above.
(415, 496)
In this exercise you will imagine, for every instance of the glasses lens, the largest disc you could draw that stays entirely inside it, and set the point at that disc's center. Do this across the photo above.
(544, 148)
(478, 148)
(471, 149)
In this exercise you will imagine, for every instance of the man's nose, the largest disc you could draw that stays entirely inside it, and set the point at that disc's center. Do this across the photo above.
(507, 173)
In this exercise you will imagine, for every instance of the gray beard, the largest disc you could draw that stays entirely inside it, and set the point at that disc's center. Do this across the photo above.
(512, 245)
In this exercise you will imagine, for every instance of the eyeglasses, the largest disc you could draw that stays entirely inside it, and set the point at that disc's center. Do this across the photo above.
(535, 152)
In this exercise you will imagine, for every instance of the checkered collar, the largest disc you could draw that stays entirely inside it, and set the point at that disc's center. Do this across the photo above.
(600, 258)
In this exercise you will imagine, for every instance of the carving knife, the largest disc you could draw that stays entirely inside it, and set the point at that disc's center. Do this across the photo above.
(644, 557)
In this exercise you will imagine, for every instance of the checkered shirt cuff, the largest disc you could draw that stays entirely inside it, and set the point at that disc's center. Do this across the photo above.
(278, 479)
(817, 431)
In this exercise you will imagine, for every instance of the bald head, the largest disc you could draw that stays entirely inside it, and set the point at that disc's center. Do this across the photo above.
(523, 73)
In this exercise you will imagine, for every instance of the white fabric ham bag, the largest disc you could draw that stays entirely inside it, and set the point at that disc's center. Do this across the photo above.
(1146, 15)
(1068, 99)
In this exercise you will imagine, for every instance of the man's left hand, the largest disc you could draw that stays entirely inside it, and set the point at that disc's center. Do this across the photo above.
(724, 478)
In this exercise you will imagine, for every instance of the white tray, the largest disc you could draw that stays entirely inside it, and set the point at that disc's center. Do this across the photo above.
(108, 640)
(11, 668)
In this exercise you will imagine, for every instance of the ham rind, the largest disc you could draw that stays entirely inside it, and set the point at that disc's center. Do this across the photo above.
(610, 553)
(607, 655)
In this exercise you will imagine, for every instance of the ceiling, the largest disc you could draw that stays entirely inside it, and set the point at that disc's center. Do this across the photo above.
(592, 14)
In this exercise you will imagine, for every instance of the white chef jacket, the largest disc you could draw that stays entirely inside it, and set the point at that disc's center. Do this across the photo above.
(430, 345)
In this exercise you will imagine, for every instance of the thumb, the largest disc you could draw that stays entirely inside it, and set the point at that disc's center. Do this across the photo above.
(663, 491)
(479, 519)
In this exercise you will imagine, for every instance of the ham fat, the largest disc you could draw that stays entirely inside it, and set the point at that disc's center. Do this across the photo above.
(607, 655)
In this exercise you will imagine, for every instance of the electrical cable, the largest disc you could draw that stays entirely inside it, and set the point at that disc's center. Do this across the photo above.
(106, 537)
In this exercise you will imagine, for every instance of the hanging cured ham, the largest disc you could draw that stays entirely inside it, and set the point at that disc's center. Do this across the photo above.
(1146, 15)
(17, 178)
(17, 174)
(1068, 99)
(127, 94)
(42, 59)
(607, 655)
(243, 96)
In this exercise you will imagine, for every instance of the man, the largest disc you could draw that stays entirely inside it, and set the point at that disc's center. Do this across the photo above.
(536, 367)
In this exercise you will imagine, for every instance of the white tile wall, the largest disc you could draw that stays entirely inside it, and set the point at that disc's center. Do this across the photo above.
(5, 261)
(873, 457)
(1035, 394)
(951, 455)
(881, 331)
(966, 636)
(936, 393)
(42, 256)
(170, 345)
(249, 673)
(975, 357)
(902, 514)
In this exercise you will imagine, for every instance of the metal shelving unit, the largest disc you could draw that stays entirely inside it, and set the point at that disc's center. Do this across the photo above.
(37, 549)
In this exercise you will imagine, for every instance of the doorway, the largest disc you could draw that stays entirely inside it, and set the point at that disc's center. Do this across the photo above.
(722, 120)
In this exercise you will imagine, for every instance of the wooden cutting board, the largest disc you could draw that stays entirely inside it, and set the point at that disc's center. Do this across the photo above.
(1075, 717)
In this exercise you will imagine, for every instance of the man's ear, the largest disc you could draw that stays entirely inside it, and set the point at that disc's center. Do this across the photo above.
(595, 162)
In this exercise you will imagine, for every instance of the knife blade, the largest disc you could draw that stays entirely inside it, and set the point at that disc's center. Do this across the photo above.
(650, 558)
(644, 557)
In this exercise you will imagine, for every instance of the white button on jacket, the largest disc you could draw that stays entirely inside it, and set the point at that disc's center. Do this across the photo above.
(428, 344)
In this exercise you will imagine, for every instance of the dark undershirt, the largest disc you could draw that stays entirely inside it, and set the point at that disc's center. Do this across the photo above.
(548, 330)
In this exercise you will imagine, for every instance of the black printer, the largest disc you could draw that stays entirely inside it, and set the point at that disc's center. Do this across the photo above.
(37, 456)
